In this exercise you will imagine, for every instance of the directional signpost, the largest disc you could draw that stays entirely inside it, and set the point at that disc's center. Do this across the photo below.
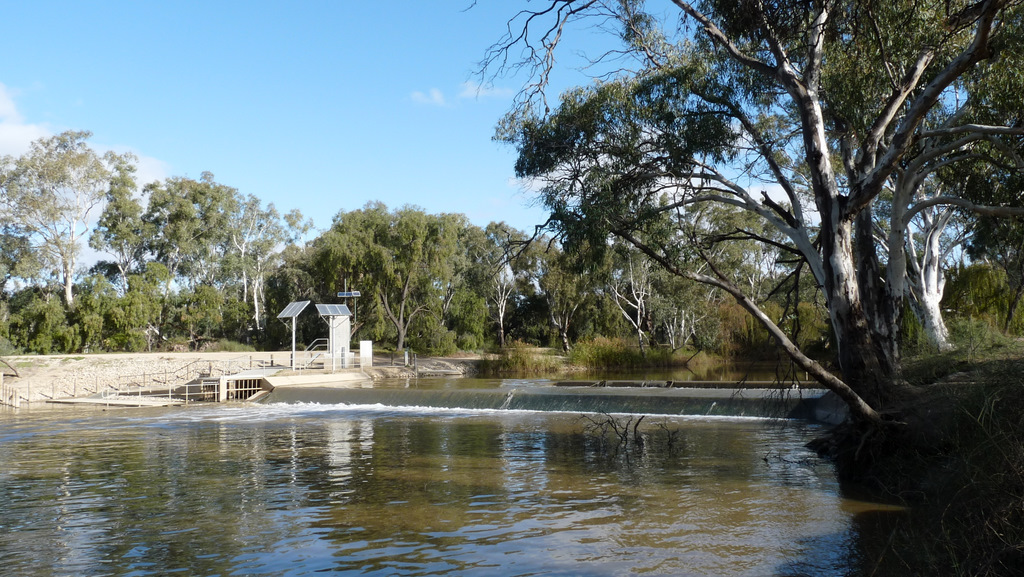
(351, 295)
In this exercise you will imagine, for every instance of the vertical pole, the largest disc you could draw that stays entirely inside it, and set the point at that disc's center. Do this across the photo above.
(293, 343)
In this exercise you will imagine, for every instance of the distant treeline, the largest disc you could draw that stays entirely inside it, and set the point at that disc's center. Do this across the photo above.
(195, 264)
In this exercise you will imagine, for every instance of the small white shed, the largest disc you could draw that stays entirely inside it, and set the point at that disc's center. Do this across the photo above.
(339, 336)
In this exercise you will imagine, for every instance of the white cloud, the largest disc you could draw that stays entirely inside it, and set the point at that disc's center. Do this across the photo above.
(433, 97)
(148, 169)
(467, 91)
(15, 134)
(476, 90)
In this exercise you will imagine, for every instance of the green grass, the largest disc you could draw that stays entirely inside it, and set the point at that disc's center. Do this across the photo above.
(592, 355)
(603, 353)
(522, 359)
(229, 346)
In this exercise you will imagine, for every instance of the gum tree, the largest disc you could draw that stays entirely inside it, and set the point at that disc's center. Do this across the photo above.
(820, 103)
(511, 272)
(565, 287)
(255, 237)
(190, 222)
(52, 191)
(120, 230)
(400, 259)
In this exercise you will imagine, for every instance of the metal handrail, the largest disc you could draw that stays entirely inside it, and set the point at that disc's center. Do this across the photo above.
(317, 344)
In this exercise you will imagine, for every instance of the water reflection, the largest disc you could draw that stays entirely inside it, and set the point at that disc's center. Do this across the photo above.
(300, 489)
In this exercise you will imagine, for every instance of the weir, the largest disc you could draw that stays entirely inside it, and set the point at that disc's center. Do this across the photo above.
(794, 404)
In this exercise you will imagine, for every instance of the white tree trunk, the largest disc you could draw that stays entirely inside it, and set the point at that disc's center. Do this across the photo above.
(926, 279)
(69, 282)
(932, 284)
(931, 319)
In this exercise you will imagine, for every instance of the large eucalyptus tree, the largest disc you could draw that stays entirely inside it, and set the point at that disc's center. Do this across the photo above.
(400, 260)
(190, 224)
(120, 230)
(52, 192)
(822, 103)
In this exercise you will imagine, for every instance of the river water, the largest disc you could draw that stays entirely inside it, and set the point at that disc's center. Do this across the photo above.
(309, 488)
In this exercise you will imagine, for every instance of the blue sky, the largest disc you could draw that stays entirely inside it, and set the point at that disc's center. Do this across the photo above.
(321, 106)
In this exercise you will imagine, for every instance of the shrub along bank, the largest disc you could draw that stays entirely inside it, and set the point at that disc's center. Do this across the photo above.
(957, 461)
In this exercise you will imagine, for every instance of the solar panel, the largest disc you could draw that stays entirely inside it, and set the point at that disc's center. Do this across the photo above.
(333, 311)
(293, 309)
(348, 294)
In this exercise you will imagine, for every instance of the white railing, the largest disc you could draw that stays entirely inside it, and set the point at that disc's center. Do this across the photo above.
(314, 359)
(193, 381)
(198, 380)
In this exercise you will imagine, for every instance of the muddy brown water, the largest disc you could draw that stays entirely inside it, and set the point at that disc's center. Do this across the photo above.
(305, 488)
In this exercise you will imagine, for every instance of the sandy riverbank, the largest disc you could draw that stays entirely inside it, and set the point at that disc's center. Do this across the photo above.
(47, 377)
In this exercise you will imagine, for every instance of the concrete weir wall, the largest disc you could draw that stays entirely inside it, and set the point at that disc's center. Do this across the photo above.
(345, 379)
(812, 405)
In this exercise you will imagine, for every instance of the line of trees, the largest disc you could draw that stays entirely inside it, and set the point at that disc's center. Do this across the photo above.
(191, 263)
(194, 262)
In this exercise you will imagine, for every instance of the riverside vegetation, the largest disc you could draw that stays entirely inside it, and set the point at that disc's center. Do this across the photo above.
(958, 465)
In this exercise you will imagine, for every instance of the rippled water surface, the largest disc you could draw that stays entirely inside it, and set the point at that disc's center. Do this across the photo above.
(303, 489)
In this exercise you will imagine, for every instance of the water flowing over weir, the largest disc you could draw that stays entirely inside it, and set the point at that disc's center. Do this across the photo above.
(726, 402)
